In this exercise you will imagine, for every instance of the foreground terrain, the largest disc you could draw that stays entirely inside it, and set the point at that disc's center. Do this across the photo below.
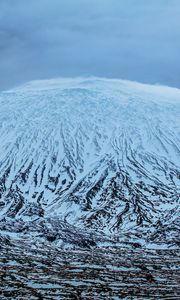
(41, 271)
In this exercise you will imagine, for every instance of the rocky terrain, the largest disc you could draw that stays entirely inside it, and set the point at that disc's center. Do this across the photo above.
(41, 271)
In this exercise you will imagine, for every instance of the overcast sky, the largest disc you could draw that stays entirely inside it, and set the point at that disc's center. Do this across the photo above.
(129, 39)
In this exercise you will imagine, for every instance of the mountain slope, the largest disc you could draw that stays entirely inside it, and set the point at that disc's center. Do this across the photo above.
(96, 154)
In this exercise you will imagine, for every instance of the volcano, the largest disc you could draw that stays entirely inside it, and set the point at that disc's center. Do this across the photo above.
(88, 158)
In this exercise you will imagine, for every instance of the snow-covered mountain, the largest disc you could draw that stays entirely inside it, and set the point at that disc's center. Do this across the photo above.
(90, 156)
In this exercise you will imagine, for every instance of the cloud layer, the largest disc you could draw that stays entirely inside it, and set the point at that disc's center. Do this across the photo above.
(131, 39)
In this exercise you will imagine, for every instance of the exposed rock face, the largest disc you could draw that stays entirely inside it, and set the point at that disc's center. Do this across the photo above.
(97, 156)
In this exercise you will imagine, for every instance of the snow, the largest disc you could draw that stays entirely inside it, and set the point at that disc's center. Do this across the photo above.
(63, 142)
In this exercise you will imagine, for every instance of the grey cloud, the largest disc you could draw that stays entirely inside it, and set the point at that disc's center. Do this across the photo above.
(131, 39)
